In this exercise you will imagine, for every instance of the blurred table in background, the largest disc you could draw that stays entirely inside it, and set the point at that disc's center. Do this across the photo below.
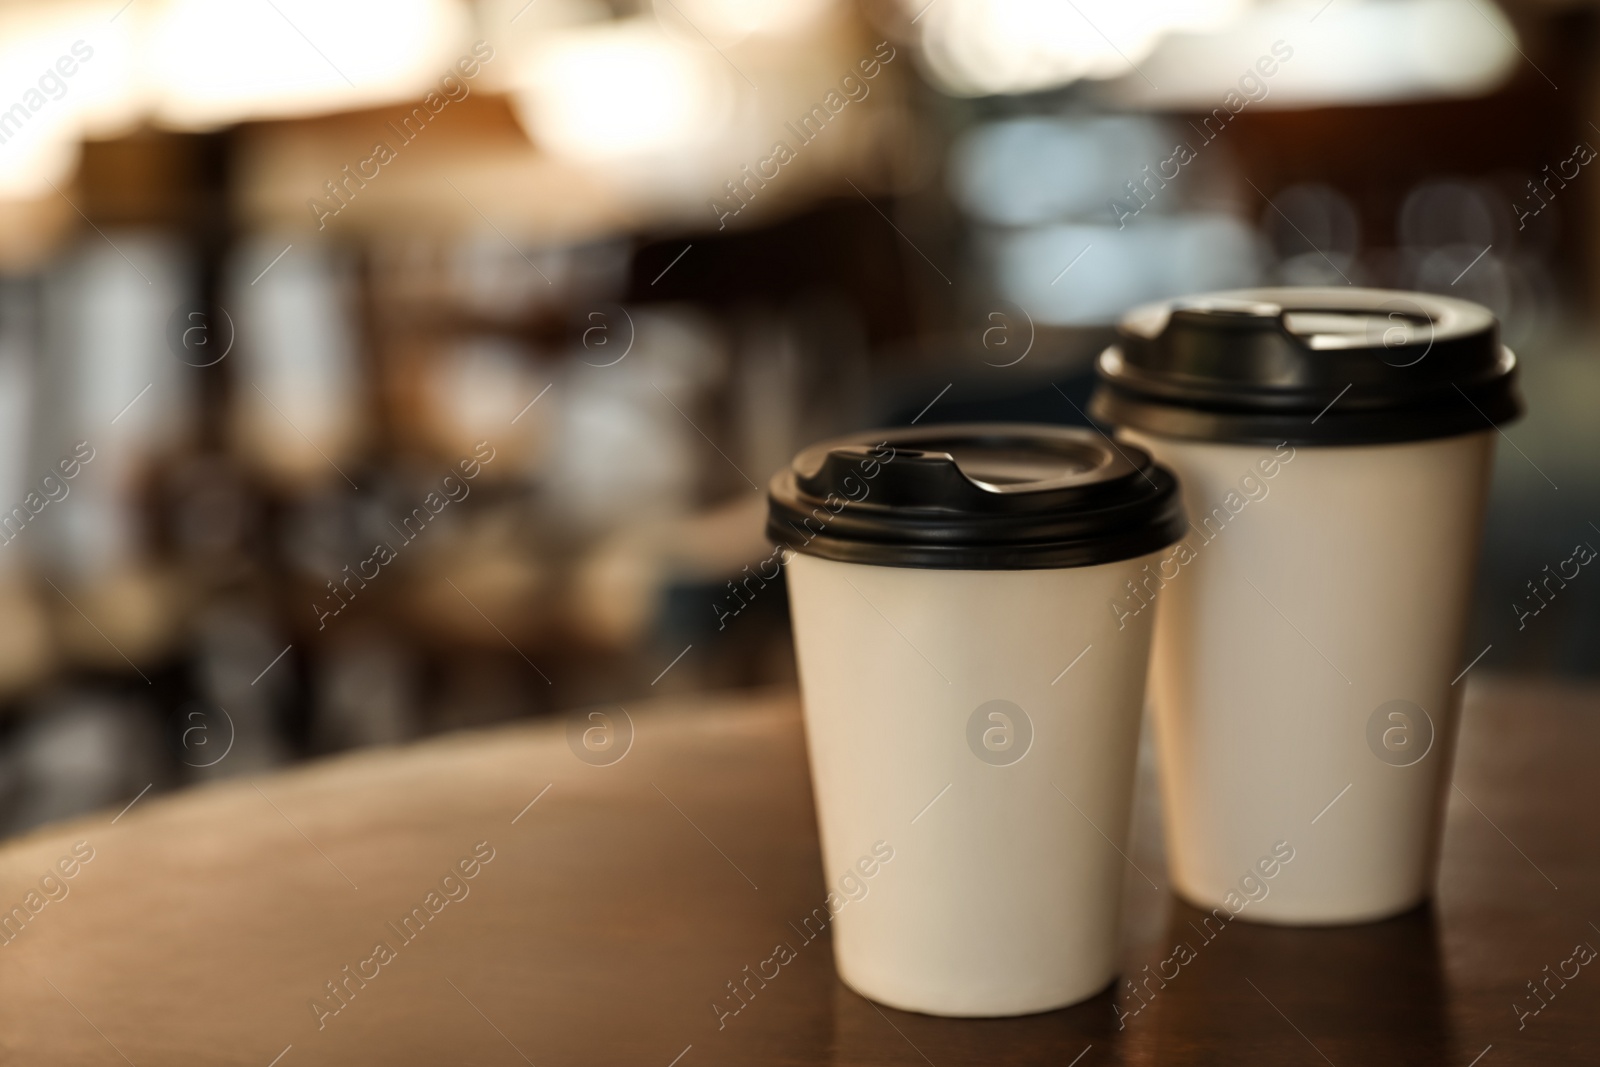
(621, 900)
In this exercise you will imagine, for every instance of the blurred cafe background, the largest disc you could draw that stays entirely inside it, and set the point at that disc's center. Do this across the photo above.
(373, 370)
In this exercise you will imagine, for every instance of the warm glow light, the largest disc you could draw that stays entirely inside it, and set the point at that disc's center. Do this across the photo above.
(33, 161)
(64, 72)
(212, 63)
(622, 90)
(978, 47)
(1363, 51)
(94, 68)
(725, 21)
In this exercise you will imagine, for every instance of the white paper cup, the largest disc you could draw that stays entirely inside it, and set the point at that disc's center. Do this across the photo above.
(1305, 659)
(972, 735)
(1000, 898)
(1335, 451)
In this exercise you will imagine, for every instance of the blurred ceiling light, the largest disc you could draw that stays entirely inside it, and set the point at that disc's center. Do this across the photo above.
(214, 63)
(727, 21)
(981, 47)
(65, 71)
(520, 27)
(1362, 51)
(34, 161)
(622, 90)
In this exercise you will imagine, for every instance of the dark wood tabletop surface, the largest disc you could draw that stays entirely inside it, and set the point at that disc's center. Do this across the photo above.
(608, 906)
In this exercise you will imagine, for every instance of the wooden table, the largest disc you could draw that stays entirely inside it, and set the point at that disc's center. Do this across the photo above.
(618, 906)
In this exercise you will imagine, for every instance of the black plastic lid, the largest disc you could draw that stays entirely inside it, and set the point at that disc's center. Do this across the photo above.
(991, 496)
(1337, 366)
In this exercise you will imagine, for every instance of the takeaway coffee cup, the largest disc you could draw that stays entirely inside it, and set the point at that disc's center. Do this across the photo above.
(971, 709)
(1335, 448)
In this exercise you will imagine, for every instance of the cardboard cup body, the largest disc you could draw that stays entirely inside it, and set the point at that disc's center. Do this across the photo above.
(1306, 669)
(972, 737)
